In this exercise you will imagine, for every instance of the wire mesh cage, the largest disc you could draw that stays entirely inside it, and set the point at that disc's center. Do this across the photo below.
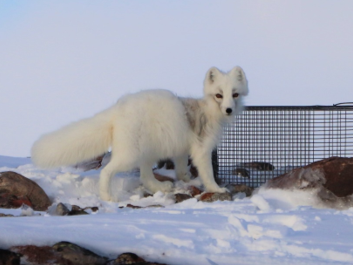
(267, 141)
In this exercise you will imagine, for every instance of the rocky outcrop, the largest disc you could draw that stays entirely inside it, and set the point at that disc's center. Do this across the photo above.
(332, 178)
(16, 190)
(64, 253)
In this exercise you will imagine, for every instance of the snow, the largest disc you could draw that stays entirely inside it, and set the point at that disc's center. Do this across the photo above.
(271, 227)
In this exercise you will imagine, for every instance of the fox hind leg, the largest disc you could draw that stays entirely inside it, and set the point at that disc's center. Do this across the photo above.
(150, 182)
(116, 164)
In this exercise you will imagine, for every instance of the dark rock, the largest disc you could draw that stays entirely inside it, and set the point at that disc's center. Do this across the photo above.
(94, 163)
(132, 206)
(212, 197)
(194, 191)
(179, 197)
(16, 190)
(40, 255)
(6, 215)
(331, 177)
(236, 188)
(128, 258)
(242, 172)
(167, 163)
(9, 258)
(63, 253)
(162, 178)
(77, 210)
(193, 171)
(146, 194)
(93, 209)
(78, 255)
(140, 207)
(155, 206)
(131, 258)
(262, 166)
(61, 209)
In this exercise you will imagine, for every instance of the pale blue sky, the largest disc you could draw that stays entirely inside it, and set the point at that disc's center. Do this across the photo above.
(65, 60)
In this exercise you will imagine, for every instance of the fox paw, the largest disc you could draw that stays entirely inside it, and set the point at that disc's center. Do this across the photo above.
(217, 190)
(159, 186)
(165, 186)
(105, 196)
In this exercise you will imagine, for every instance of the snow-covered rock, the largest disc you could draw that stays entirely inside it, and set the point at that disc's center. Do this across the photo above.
(331, 180)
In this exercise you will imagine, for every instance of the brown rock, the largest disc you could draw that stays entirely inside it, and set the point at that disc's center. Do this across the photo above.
(40, 255)
(133, 206)
(162, 178)
(94, 163)
(212, 197)
(78, 255)
(16, 189)
(179, 197)
(128, 258)
(334, 173)
(63, 253)
(9, 258)
(77, 210)
(131, 258)
(194, 191)
(331, 177)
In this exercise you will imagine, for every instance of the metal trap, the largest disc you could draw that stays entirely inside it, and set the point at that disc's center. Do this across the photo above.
(267, 141)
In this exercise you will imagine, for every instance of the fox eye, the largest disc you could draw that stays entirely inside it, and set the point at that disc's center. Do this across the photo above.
(219, 96)
(235, 95)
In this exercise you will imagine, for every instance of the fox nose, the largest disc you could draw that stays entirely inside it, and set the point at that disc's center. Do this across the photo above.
(229, 111)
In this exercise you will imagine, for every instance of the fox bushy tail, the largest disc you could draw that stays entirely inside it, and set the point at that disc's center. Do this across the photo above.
(74, 143)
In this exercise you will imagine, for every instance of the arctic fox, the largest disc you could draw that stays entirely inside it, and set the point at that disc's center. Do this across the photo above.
(148, 126)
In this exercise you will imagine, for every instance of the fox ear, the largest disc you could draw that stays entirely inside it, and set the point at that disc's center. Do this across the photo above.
(212, 74)
(238, 73)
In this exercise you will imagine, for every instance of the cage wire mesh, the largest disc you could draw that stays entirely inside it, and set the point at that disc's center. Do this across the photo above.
(267, 141)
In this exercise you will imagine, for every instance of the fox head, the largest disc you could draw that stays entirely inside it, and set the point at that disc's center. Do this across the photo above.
(227, 89)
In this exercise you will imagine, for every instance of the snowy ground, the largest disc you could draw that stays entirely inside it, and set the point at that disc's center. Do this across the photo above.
(271, 227)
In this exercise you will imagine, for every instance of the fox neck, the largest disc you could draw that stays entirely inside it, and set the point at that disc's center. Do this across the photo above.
(212, 120)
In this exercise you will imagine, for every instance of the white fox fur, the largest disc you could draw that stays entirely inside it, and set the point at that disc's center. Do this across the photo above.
(148, 126)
